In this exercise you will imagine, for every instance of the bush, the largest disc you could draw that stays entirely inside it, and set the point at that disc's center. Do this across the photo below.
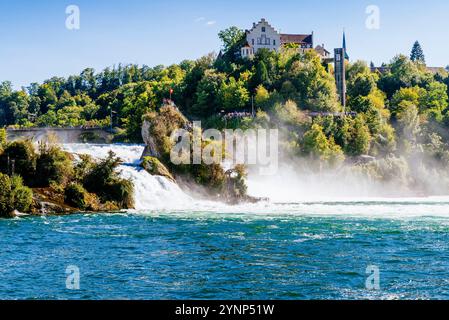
(83, 167)
(211, 176)
(19, 158)
(52, 165)
(75, 196)
(236, 185)
(22, 195)
(104, 180)
(120, 191)
(14, 195)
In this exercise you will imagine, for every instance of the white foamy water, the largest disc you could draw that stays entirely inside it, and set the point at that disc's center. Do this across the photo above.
(155, 195)
(150, 192)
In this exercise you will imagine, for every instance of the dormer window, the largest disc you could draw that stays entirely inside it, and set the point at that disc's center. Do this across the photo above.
(263, 29)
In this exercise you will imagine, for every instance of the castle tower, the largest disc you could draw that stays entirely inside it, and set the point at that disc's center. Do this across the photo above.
(340, 74)
(340, 57)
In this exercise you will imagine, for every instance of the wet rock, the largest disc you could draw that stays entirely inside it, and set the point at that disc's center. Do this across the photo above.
(154, 167)
(150, 148)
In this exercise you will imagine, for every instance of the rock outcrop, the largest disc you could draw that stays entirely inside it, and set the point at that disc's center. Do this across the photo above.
(154, 167)
(150, 145)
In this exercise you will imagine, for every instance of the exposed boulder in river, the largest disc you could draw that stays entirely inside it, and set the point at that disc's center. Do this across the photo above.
(154, 167)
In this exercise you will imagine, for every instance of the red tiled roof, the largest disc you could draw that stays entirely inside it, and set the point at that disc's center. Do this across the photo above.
(296, 38)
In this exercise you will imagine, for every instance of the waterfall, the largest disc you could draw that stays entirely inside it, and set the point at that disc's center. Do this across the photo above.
(291, 195)
(150, 192)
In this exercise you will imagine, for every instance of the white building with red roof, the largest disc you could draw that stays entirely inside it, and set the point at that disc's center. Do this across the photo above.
(263, 36)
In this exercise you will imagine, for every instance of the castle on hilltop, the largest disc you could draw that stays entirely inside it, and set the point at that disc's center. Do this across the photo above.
(263, 36)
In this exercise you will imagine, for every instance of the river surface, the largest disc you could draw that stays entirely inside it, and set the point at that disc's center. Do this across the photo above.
(263, 254)
(175, 247)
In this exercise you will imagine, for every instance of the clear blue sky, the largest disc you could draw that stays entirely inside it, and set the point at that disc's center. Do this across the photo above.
(35, 44)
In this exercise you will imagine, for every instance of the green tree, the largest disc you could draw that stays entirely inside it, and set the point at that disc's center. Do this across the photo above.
(362, 85)
(6, 91)
(19, 157)
(360, 137)
(435, 100)
(417, 54)
(233, 95)
(262, 96)
(316, 87)
(405, 97)
(52, 165)
(408, 123)
(233, 39)
(403, 73)
(316, 145)
(207, 94)
(104, 180)
(356, 68)
(261, 75)
(13, 195)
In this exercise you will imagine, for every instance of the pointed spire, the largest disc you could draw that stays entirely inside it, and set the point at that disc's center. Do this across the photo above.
(344, 45)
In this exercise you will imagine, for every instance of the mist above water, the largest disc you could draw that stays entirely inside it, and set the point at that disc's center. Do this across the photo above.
(291, 192)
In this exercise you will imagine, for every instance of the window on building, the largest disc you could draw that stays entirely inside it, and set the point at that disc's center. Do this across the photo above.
(274, 42)
(263, 29)
(253, 41)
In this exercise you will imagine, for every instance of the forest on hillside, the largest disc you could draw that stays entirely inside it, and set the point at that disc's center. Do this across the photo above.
(398, 112)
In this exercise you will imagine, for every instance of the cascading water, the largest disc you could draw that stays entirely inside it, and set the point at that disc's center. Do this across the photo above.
(150, 192)
(158, 195)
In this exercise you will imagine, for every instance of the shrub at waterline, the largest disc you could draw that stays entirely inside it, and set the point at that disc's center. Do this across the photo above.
(52, 165)
(105, 181)
(76, 196)
(13, 195)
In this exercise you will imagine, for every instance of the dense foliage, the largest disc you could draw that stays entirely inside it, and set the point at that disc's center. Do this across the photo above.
(104, 180)
(13, 195)
(399, 112)
(83, 184)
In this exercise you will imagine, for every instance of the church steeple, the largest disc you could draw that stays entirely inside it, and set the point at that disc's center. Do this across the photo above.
(344, 45)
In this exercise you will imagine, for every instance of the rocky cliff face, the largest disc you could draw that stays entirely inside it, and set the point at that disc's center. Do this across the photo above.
(209, 180)
(150, 145)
